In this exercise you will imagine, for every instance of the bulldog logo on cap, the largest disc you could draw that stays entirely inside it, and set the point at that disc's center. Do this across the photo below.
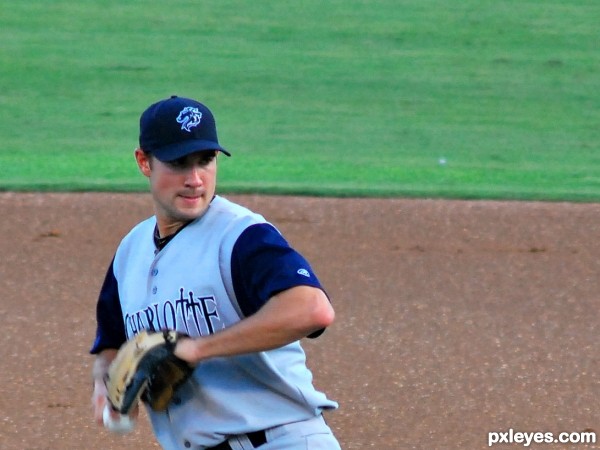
(189, 117)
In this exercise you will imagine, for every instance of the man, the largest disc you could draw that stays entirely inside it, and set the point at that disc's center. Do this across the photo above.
(225, 277)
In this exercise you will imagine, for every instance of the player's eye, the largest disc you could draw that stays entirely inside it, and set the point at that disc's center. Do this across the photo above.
(201, 159)
(206, 157)
(179, 163)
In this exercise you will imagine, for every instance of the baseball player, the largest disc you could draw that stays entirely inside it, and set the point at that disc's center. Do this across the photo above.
(222, 275)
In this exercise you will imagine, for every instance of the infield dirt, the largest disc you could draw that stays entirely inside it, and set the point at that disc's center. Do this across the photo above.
(454, 318)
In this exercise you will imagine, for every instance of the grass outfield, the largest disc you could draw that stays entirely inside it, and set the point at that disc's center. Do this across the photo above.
(429, 98)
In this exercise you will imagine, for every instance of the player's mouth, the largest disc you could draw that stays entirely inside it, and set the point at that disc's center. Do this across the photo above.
(191, 199)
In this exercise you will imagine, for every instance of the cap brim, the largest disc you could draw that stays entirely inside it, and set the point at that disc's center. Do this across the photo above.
(181, 149)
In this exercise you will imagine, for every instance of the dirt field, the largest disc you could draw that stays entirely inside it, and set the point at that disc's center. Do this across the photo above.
(454, 319)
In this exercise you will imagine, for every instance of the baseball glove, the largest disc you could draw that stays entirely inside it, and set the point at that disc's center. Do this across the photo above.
(146, 368)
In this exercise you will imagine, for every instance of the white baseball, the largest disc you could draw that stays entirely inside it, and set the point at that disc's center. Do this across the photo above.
(122, 425)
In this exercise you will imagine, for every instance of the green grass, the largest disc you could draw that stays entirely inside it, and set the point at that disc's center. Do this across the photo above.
(344, 98)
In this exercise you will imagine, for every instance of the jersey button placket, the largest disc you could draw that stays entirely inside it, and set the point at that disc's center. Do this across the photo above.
(153, 278)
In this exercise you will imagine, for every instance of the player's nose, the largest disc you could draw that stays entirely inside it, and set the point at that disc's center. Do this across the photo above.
(194, 176)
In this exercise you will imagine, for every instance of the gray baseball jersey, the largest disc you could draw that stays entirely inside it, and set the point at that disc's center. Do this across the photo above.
(211, 274)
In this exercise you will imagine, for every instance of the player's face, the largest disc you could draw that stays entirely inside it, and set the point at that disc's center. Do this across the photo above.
(182, 189)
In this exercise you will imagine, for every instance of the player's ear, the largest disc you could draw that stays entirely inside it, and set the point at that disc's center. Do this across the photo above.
(143, 161)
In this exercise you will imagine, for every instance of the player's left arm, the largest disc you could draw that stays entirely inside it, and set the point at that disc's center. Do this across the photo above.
(288, 316)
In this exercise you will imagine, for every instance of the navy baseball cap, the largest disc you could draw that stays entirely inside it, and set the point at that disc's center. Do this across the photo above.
(177, 126)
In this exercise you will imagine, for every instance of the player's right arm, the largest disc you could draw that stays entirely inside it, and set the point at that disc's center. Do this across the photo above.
(99, 371)
(110, 335)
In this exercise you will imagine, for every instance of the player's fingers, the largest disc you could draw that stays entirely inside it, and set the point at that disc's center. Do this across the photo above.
(98, 404)
(135, 412)
(186, 349)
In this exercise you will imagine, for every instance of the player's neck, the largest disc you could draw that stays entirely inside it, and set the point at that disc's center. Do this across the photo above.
(170, 229)
(160, 241)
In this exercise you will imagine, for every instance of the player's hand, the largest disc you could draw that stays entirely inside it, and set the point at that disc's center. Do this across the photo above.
(99, 401)
(187, 350)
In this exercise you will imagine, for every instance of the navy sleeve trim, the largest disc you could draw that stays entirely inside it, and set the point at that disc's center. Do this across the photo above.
(263, 264)
(110, 331)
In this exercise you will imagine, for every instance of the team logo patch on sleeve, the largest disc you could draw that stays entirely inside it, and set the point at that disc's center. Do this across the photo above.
(303, 272)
